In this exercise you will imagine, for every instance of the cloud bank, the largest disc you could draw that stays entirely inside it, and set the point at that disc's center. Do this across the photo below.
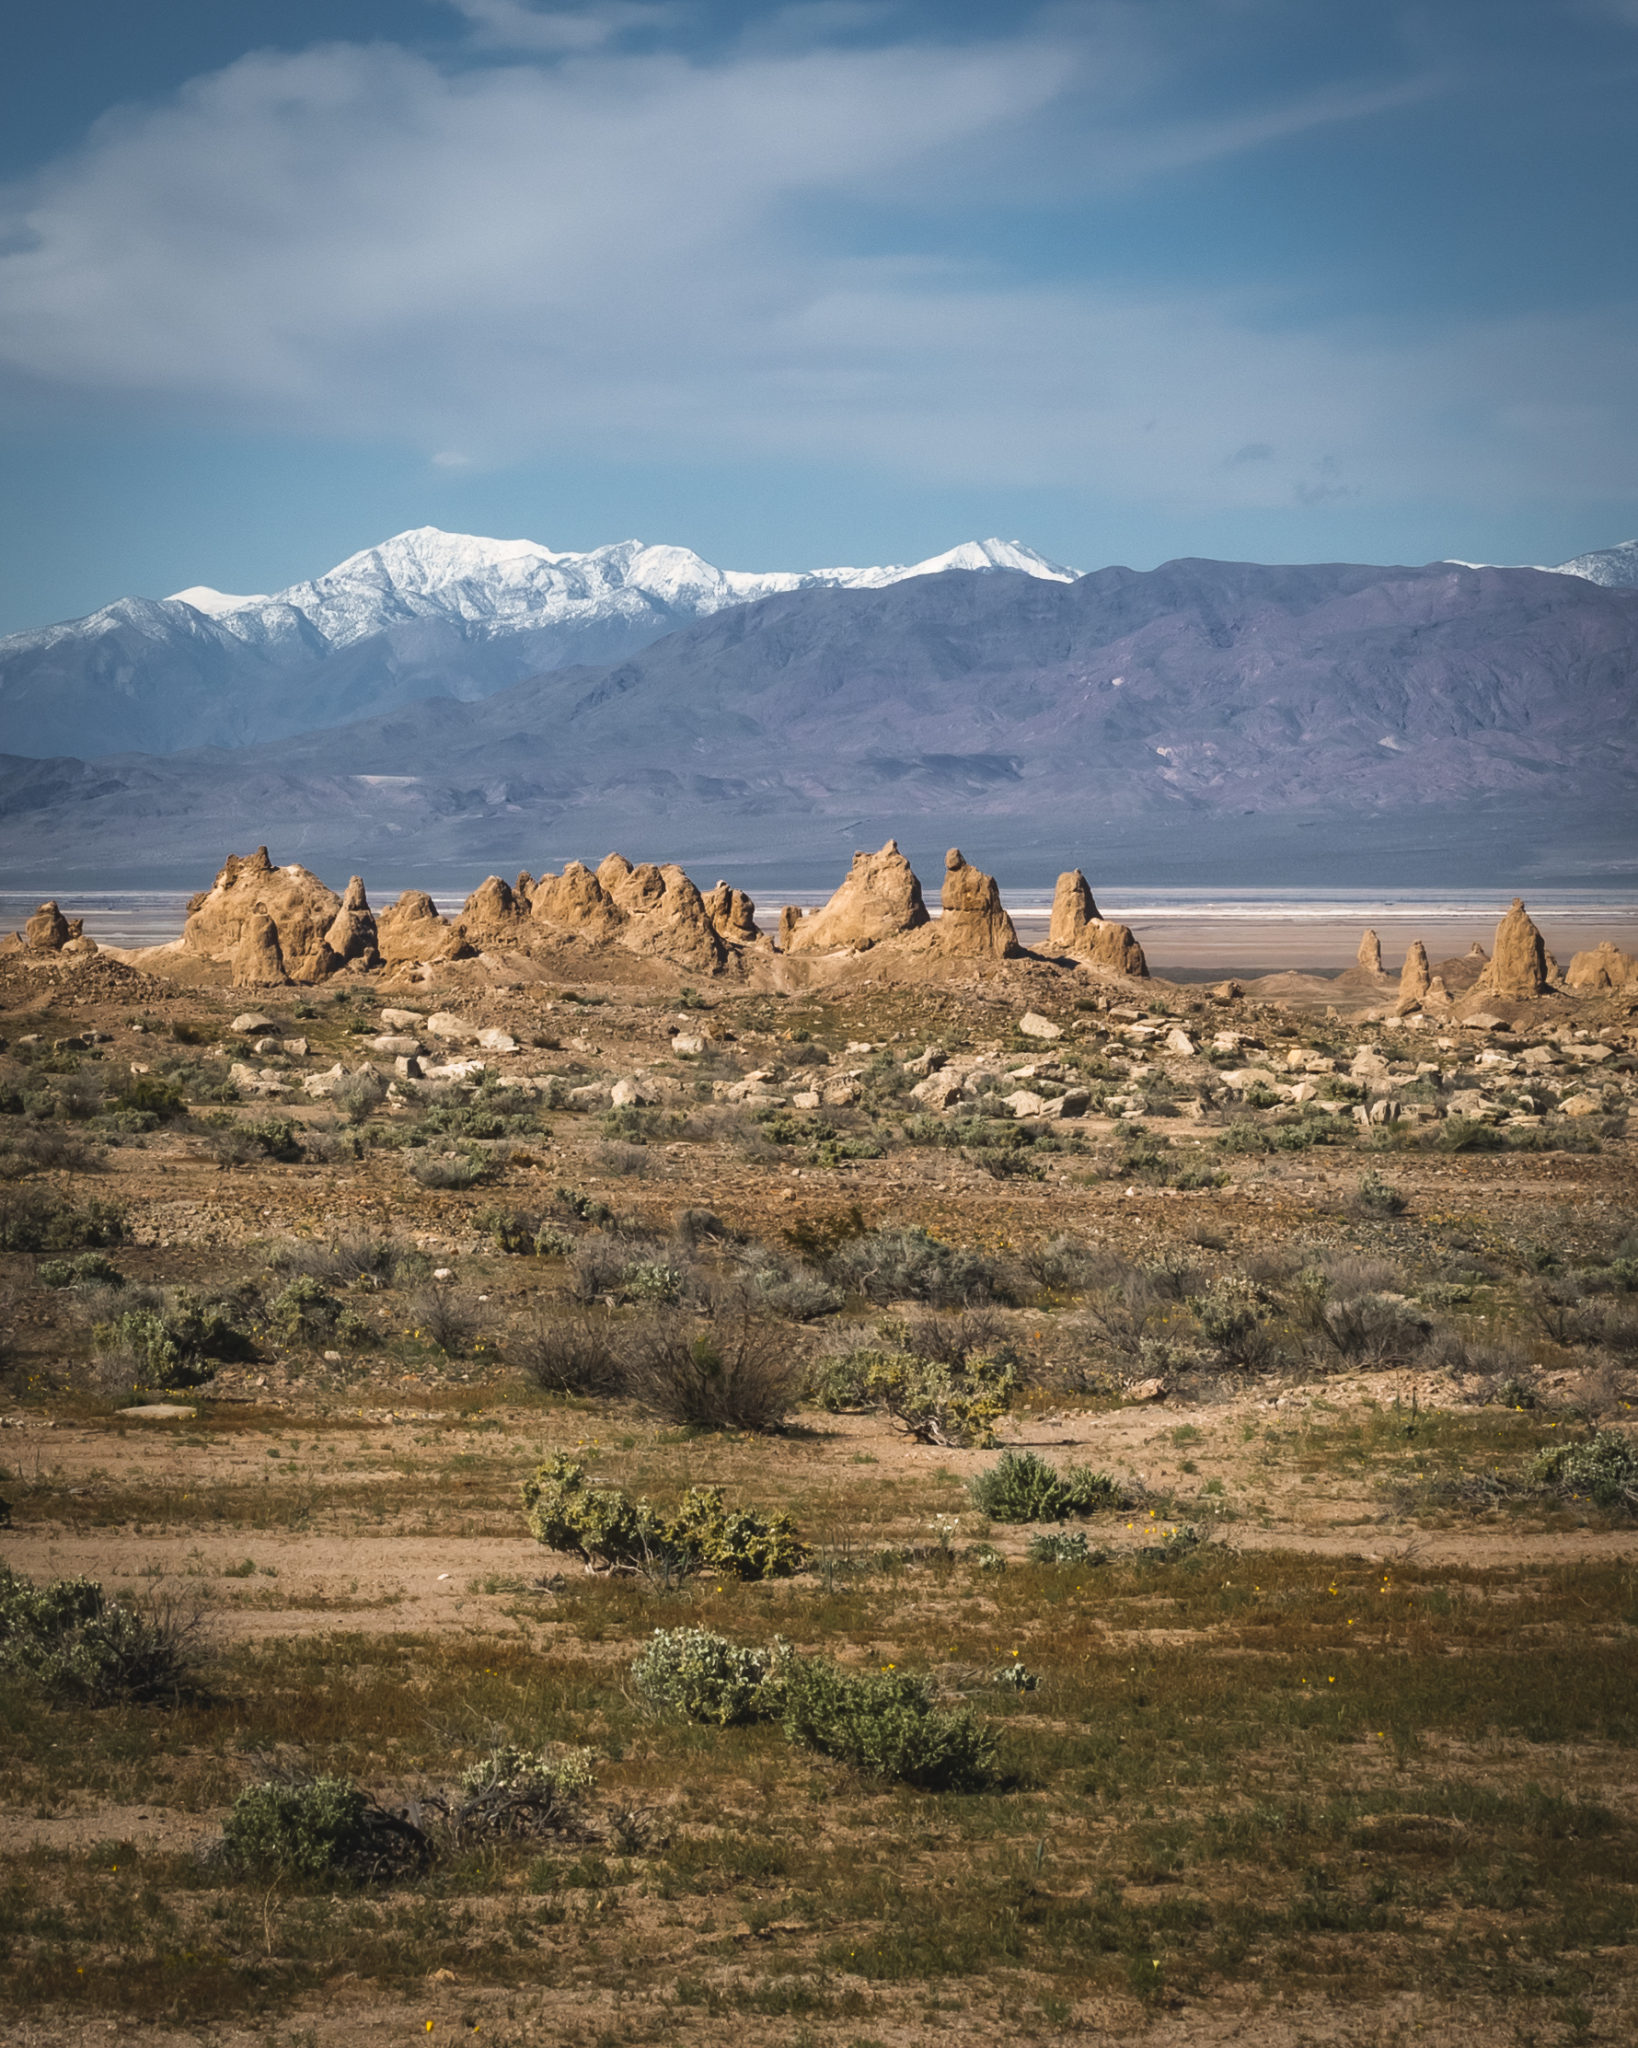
(573, 238)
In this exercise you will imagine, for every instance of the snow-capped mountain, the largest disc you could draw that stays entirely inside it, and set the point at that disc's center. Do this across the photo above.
(1616, 568)
(425, 614)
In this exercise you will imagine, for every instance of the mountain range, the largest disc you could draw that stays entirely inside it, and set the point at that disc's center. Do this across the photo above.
(1205, 719)
(425, 614)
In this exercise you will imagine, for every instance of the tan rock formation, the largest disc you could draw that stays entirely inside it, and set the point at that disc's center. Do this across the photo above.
(1078, 929)
(974, 922)
(1415, 978)
(672, 922)
(1114, 949)
(1072, 911)
(1518, 967)
(790, 919)
(1604, 967)
(258, 958)
(576, 901)
(47, 931)
(412, 931)
(880, 899)
(352, 934)
(302, 909)
(492, 918)
(1369, 955)
(733, 913)
(636, 890)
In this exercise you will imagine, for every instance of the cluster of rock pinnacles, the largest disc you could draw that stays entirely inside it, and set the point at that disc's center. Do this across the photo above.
(276, 924)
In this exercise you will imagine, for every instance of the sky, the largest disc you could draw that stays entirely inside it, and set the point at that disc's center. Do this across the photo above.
(845, 281)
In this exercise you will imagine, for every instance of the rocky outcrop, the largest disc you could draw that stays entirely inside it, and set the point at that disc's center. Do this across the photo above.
(1073, 910)
(301, 907)
(1518, 966)
(1604, 967)
(635, 890)
(1113, 949)
(880, 899)
(412, 931)
(352, 935)
(672, 922)
(1415, 979)
(47, 931)
(576, 901)
(733, 914)
(974, 923)
(493, 918)
(1369, 955)
(1077, 929)
(258, 958)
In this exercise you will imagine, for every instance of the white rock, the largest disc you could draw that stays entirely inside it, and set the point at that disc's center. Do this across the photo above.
(456, 1070)
(628, 1093)
(395, 1045)
(841, 1093)
(1305, 1091)
(807, 1098)
(493, 1040)
(1482, 1020)
(252, 1020)
(1580, 1105)
(859, 1045)
(1034, 1025)
(402, 1020)
(267, 1045)
(407, 1067)
(1595, 1053)
(295, 1047)
(1179, 1041)
(445, 1024)
(938, 1091)
(1023, 1103)
(688, 1043)
(589, 1095)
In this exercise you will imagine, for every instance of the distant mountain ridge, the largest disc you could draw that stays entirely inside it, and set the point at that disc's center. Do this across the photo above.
(424, 614)
(1208, 710)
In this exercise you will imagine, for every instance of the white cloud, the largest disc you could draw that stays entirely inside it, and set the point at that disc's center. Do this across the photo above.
(635, 253)
(512, 25)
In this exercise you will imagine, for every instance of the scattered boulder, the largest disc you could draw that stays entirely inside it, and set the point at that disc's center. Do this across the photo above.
(879, 899)
(1033, 1025)
(301, 907)
(1518, 967)
(258, 958)
(250, 1023)
(576, 901)
(453, 1030)
(412, 930)
(352, 933)
(492, 1039)
(1604, 967)
(47, 931)
(973, 921)
(1072, 911)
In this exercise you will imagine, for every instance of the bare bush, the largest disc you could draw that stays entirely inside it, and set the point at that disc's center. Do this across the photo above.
(568, 1354)
(448, 1318)
(735, 1372)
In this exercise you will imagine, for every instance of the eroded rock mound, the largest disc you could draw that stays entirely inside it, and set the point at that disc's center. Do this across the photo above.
(1606, 966)
(493, 917)
(352, 935)
(1073, 910)
(258, 958)
(301, 907)
(1518, 966)
(733, 914)
(576, 901)
(47, 931)
(1415, 979)
(672, 922)
(412, 931)
(1113, 949)
(973, 922)
(880, 899)
(1369, 955)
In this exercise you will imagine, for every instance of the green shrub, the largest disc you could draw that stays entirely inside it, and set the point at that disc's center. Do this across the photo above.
(1024, 1488)
(568, 1512)
(306, 1313)
(705, 1677)
(320, 1827)
(886, 1723)
(88, 1270)
(1058, 1548)
(43, 1221)
(81, 1647)
(953, 1402)
(273, 1137)
(1602, 1469)
(1377, 1198)
(841, 1386)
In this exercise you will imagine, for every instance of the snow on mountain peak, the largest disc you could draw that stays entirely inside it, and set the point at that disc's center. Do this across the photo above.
(213, 603)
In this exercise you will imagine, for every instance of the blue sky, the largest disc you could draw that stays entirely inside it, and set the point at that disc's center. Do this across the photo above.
(842, 281)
